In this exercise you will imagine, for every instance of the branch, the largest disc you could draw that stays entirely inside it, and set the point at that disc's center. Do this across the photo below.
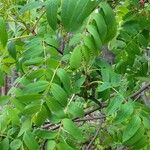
(96, 134)
(36, 23)
(95, 109)
(89, 119)
(75, 120)
(58, 50)
(20, 37)
(47, 126)
(95, 100)
(134, 95)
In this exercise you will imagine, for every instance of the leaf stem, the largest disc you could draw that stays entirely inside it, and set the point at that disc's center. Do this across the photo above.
(36, 23)
(71, 99)
(47, 90)
(20, 37)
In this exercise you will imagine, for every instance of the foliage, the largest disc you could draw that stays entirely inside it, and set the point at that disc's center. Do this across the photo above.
(56, 49)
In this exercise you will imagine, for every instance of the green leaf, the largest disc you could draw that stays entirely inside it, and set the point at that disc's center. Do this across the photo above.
(51, 144)
(114, 104)
(136, 137)
(41, 116)
(140, 144)
(86, 9)
(4, 144)
(26, 99)
(109, 76)
(45, 134)
(72, 129)
(15, 144)
(4, 100)
(76, 58)
(142, 40)
(33, 49)
(86, 54)
(36, 74)
(105, 75)
(110, 20)
(78, 83)
(51, 13)
(74, 12)
(115, 79)
(104, 86)
(55, 107)
(64, 146)
(20, 106)
(30, 141)
(101, 25)
(15, 120)
(59, 94)
(3, 32)
(124, 113)
(65, 79)
(75, 39)
(31, 5)
(132, 127)
(124, 36)
(34, 61)
(32, 108)
(93, 31)
(132, 49)
(75, 110)
(68, 7)
(36, 87)
(4, 120)
(26, 125)
(146, 122)
(12, 50)
(89, 42)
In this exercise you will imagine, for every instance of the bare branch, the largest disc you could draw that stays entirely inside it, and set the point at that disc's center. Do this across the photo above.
(55, 127)
(103, 105)
(134, 95)
(36, 23)
(91, 142)
(89, 119)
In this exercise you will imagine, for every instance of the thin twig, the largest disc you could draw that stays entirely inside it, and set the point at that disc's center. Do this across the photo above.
(43, 145)
(71, 99)
(94, 109)
(89, 119)
(58, 50)
(47, 126)
(75, 120)
(4, 136)
(35, 25)
(134, 95)
(20, 37)
(95, 136)
(95, 100)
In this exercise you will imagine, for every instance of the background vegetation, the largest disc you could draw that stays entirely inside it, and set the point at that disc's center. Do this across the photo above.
(74, 74)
